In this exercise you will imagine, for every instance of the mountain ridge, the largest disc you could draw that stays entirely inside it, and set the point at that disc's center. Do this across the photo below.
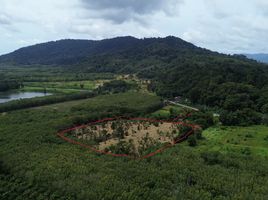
(70, 51)
(174, 67)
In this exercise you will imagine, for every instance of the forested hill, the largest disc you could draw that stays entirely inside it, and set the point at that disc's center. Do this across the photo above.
(74, 51)
(175, 67)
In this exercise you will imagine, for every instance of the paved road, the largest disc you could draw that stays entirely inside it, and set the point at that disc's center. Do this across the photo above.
(181, 105)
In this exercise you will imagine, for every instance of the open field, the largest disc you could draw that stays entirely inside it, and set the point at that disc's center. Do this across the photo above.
(63, 87)
(244, 140)
(50, 90)
(169, 111)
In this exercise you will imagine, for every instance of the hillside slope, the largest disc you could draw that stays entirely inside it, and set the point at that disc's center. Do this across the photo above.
(73, 51)
(66, 51)
(175, 67)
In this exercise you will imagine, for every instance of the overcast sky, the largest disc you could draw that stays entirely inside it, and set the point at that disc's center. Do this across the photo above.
(230, 26)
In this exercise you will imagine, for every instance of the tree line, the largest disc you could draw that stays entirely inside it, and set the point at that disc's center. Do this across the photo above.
(8, 85)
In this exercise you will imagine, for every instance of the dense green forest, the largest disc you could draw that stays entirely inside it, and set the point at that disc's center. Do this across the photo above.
(115, 86)
(227, 83)
(8, 85)
(234, 85)
(36, 164)
(90, 80)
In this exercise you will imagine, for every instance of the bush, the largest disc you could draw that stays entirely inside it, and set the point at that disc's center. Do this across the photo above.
(198, 133)
(122, 147)
(264, 109)
(8, 85)
(115, 86)
(212, 158)
(192, 141)
(203, 119)
(3, 169)
(246, 151)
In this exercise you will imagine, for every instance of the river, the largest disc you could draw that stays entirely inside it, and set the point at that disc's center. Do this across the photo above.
(15, 95)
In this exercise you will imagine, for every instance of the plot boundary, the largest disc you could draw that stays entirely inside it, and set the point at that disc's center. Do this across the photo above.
(182, 138)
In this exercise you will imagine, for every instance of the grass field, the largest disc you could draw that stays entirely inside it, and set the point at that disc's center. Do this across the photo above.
(62, 107)
(244, 140)
(50, 90)
(62, 87)
(165, 112)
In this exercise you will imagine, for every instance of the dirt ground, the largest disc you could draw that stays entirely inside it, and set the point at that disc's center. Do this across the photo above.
(135, 132)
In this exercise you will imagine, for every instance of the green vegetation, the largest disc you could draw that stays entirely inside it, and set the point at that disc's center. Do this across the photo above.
(8, 85)
(51, 90)
(41, 101)
(233, 85)
(61, 87)
(116, 86)
(119, 104)
(222, 162)
(88, 85)
(241, 140)
(168, 112)
(37, 73)
(36, 164)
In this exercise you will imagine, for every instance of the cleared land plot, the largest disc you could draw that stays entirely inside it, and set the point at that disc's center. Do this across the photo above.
(129, 137)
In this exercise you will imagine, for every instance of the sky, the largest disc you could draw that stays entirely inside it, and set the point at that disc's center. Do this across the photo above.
(228, 26)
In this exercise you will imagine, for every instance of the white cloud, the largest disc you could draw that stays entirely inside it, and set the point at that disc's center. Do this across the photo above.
(5, 19)
(119, 11)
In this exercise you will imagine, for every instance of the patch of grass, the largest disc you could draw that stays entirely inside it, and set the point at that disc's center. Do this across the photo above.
(62, 87)
(65, 85)
(165, 112)
(162, 113)
(50, 90)
(243, 139)
(62, 107)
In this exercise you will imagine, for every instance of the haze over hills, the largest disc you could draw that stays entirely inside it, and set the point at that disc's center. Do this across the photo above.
(261, 57)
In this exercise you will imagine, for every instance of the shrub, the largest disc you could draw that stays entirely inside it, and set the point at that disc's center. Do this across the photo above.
(212, 158)
(192, 141)
(246, 151)
(198, 133)
(3, 169)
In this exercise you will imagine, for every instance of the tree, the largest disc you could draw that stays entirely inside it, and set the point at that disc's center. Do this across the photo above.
(243, 117)
(264, 108)
(120, 133)
(82, 85)
(192, 141)
(198, 133)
